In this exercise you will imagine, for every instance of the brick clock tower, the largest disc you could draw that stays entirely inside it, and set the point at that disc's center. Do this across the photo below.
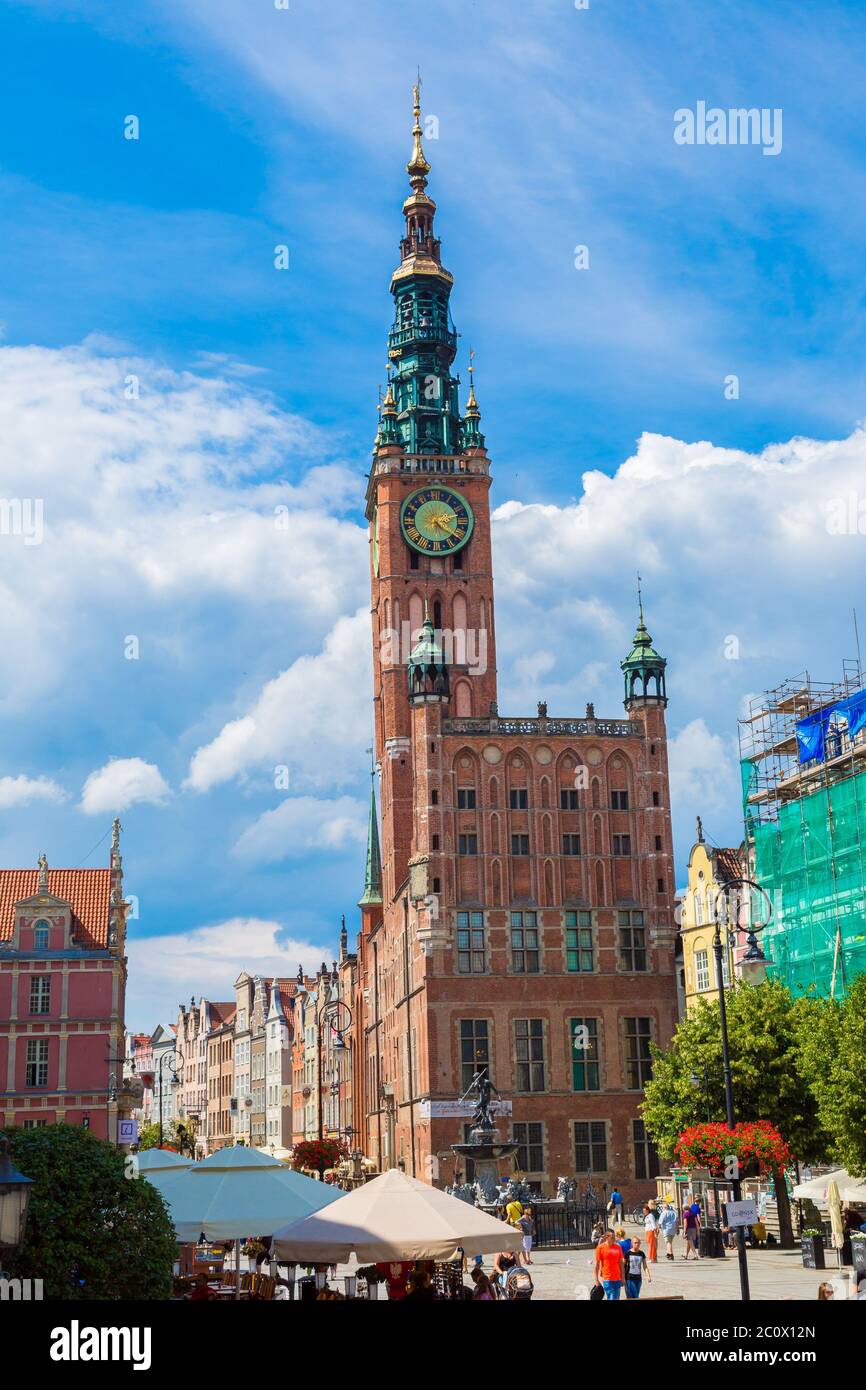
(520, 914)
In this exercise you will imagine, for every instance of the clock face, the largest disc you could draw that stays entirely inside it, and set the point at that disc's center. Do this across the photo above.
(436, 521)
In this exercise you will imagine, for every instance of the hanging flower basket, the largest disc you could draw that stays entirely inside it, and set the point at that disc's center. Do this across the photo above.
(756, 1144)
(317, 1155)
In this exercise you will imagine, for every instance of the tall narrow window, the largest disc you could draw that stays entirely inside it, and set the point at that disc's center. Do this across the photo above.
(474, 1050)
(525, 954)
(470, 943)
(702, 970)
(584, 1054)
(638, 1061)
(41, 936)
(632, 941)
(36, 1067)
(529, 1137)
(578, 942)
(40, 994)
(590, 1146)
(646, 1159)
(529, 1054)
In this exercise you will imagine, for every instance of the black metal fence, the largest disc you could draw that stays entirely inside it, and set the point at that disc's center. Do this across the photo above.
(563, 1225)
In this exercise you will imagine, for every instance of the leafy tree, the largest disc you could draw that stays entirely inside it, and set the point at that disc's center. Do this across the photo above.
(768, 1082)
(92, 1231)
(183, 1138)
(832, 1038)
(148, 1136)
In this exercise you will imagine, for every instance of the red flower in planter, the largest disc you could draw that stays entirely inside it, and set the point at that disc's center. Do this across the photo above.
(751, 1141)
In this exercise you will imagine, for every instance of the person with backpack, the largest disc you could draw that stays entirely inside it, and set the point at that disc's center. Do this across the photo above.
(614, 1207)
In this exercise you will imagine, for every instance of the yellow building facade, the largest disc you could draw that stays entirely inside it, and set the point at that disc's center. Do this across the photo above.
(709, 869)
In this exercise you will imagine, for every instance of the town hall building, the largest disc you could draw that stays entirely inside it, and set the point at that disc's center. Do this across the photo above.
(518, 908)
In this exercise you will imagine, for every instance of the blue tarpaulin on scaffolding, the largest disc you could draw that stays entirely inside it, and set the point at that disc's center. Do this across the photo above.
(812, 731)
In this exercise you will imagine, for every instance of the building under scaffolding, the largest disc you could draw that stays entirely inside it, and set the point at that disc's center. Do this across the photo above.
(803, 768)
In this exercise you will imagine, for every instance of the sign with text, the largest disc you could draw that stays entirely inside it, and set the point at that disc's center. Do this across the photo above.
(741, 1213)
(127, 1131)
(458, 1109)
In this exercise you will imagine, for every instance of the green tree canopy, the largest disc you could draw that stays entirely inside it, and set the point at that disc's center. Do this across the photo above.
(832, 1040)
(765, 1039)
(92, 1231)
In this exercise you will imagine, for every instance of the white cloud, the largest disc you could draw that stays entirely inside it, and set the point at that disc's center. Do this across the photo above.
(121, 783)
(197, 489)
(704, 774)
(301, 826)
(165, 971)
(313, 718)
(18, 791)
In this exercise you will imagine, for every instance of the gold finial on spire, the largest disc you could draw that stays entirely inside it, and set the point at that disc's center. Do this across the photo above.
(417, 168)
(471, 403)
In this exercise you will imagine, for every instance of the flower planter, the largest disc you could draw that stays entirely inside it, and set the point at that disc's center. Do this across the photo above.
(813, 1252)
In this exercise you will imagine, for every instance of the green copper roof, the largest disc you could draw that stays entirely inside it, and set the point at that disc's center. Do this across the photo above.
(373, 871)
(643, 653)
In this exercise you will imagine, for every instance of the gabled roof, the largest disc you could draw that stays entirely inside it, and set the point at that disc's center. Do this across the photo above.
(88, 891)
(729, 864)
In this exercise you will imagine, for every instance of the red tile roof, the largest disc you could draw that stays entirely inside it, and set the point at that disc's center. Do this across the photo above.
(88, 891)
(729, 865)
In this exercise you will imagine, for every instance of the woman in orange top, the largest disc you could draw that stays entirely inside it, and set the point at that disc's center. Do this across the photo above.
(609, 1264)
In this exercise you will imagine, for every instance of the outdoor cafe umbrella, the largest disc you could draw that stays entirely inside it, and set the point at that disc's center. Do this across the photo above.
(393, 1217)
(160, 1161)
(834, 1206)
(237, 1192)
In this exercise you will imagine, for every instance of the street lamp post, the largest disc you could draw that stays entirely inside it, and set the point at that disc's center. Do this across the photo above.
(330, 1009)
(722, 915)
(14, 1201)
(174, 1060)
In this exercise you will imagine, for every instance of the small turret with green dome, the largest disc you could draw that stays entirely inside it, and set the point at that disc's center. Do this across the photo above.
(644, 667)
(428, 670)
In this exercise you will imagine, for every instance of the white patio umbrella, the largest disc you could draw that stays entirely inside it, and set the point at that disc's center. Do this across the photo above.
(393, 1217)
(237, 1192)
(815, 1190)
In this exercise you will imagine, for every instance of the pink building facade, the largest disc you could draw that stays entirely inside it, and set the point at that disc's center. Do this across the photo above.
(62, 995)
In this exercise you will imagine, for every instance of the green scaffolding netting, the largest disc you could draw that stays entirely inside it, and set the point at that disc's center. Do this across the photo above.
(811, 862)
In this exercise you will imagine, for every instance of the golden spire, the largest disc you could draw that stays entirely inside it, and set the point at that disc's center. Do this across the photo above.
(417, 168)
(471, 403)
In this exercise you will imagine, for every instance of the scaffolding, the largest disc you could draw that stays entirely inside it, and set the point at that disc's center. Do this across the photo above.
(805, 823)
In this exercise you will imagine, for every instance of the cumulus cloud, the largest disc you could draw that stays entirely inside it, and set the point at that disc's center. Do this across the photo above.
(19, 791)
(313, 718)
(166, 970)
(704, 769)
(121, 783)
(160, 487)
(304, 825)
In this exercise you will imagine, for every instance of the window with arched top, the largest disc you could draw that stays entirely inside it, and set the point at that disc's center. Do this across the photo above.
(463, 699)
(416, 614)
(596, 792)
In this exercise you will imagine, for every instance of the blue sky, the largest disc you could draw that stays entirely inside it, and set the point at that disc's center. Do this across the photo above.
(613, 444)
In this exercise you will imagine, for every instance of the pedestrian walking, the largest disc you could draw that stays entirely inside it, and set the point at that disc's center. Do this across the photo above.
(691, 1230)
(609, 1267)
(635, 1268)
(668, 1225)
(527, 1226)
(614, 1207)
(650, 1225)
